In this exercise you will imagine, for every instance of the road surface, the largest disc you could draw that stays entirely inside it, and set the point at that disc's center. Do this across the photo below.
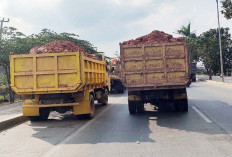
(227, 79)
(205, 131)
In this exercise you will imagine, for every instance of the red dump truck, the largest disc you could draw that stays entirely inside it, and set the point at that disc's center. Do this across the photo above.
(155, 70)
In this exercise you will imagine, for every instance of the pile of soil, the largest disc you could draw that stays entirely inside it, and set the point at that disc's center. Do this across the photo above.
(154, 37)
(59, 46)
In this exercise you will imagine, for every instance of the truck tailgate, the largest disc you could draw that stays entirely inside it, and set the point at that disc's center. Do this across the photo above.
(45, 73)
(155, 65)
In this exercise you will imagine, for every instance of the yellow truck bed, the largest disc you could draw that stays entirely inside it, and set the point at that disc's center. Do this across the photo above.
(55, 73)
(154, 66)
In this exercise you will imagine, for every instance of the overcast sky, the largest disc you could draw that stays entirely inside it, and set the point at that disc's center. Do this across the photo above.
(105, 23)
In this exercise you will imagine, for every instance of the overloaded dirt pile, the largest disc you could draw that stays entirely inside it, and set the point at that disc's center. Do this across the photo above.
(154, 37)
(59, 46)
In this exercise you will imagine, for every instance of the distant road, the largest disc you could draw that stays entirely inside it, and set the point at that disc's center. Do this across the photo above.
(227, 79)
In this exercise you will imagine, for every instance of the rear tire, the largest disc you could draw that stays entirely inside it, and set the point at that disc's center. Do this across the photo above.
(184, 105)
(104, 99)
(132, 107)
(140, 107)
(44, 114)
(181, 105)
(34, 118)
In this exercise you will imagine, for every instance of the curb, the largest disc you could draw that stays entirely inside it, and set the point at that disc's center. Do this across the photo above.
(12, 122)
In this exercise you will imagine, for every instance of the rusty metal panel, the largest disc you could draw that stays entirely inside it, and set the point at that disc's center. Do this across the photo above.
(132, 52)
(151, 66)
(134, 78)
(133, 65)
(155, 77)
(176, 76)
(173, 50)
(176, 64)
(154, 64)
(154, 51)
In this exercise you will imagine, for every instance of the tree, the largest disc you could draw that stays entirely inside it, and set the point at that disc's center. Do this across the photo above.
(185, 31)
(227, 8)
(191, 37)
(208, 49)
(10, 42)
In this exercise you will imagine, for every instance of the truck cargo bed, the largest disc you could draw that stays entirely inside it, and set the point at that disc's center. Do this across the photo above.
(154, 66)
(55, 73)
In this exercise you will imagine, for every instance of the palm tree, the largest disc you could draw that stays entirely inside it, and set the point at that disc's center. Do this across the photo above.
(186, 31)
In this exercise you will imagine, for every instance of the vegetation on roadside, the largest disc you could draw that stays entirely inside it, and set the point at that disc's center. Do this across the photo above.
(227, 9)
(205, 48)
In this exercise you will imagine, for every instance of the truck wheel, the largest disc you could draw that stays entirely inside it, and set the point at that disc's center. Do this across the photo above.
(132, 107)
(140, 107)
(80, 117)
(184, 105)
(104, 100)
(34, 118)
(92, 106)
(44, 113)
(181, 105)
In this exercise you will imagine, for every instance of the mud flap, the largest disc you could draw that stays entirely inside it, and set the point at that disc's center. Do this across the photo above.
(84, 104)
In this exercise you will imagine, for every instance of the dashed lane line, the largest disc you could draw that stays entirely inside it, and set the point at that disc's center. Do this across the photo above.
(202, 115)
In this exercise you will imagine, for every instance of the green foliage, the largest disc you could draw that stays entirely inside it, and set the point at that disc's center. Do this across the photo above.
(4, 81)
(206, 48)
(185, 31)
(227, 8)
(191, 37)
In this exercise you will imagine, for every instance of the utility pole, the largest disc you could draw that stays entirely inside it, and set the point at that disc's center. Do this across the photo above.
(1, 25)
(220, 42)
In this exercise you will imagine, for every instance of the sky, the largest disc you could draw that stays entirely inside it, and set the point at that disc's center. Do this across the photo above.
(106, 23)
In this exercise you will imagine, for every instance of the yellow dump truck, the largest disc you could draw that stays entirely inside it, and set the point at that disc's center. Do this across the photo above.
(59, 82)
(156, 74)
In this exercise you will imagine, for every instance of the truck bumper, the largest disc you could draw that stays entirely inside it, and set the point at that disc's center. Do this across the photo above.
(31, 107)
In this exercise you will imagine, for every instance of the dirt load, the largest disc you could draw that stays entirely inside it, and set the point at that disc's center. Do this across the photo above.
(59, 46)
(153, 38)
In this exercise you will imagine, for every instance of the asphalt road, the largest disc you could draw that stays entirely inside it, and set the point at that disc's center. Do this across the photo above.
(206, 130)
(227, 79)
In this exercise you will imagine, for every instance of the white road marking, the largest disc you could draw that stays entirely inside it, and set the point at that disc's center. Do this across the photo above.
(73, 134)
(202, 115)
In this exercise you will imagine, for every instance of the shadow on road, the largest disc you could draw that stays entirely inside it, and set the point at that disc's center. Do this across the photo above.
(117, 125)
